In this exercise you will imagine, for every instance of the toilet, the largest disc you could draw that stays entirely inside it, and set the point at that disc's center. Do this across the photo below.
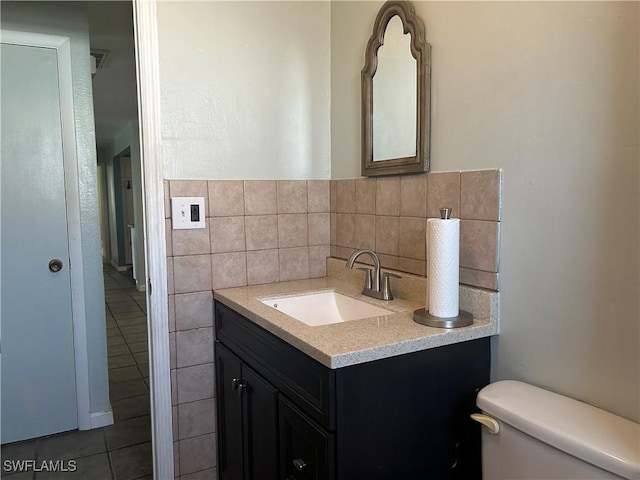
(530, 433)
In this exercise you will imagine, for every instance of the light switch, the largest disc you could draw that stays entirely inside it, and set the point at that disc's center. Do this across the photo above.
(187, 212)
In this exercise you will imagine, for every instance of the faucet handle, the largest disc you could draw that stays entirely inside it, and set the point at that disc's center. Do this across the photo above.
(368, 278)
(386, 287)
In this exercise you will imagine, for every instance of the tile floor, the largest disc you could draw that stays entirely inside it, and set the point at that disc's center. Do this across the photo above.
(121, 451)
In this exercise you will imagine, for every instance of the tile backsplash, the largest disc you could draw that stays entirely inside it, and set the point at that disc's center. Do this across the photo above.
(389, 215)
(258, 231)
(263, 231)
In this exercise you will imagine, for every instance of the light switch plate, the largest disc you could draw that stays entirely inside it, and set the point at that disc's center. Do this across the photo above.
(187, 212)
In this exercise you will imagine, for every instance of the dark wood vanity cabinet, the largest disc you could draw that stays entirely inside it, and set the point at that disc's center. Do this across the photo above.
(283, 415)
(247, 420)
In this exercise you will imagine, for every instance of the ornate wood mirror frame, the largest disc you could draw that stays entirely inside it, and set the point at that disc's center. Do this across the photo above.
(421, 51)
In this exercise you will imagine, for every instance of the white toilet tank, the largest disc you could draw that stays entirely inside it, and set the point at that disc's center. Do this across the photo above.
(544, 435)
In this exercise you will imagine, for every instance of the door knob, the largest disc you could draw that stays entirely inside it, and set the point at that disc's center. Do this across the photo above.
(55, 265)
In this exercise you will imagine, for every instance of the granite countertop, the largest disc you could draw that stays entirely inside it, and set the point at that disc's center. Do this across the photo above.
(342, 344)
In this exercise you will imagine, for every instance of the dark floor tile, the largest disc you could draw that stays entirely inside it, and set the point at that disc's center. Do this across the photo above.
(132, 462)
(128, 440)
(128, 432)
(114, 294)
(115, 340)
(126, 322)
(123, 374)
(131, 407)
(13, 475)
(144, 369)
(130, 388)
(119, 361)
(71, 445)
(141, 357)
(13, 455)
(126, 282)
(113, 331)
(142, 302)
(121, 304)
(94, 467)
(120, 316)
(138, 347)
(112, 297)
(115, 291)
(25, 450)
(123, 307)
(135, 337)
(119, 349)
(129, 329)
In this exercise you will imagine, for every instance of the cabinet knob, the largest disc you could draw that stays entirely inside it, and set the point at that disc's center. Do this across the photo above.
(299, 464)
(239, 386)
(242, 388)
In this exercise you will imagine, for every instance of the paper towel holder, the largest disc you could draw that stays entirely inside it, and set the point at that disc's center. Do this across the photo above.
(423, 317)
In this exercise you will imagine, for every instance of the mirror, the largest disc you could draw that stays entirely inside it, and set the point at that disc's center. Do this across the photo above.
(396, 94)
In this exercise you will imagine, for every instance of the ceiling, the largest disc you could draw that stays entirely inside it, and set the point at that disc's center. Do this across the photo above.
(114, 86)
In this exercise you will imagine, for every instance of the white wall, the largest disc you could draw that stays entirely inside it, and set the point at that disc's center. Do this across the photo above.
(103, 208)
(245, 89)
(70, 19)
(549, 92)
(105, 157)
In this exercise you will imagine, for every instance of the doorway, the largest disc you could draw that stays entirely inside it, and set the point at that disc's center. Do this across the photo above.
(120, 213)
(117, 140)
(40, 18)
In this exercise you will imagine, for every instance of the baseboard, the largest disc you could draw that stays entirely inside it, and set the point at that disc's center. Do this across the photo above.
(141, 287)
(102, 419)
(120, 268)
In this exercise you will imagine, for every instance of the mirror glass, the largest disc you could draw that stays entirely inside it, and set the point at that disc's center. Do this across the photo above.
(394, 96)
(396, 85)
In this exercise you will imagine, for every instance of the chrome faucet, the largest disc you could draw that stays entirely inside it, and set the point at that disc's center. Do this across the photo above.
(373, 281)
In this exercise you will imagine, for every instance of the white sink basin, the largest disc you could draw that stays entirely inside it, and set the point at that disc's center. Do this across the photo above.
(323, 308)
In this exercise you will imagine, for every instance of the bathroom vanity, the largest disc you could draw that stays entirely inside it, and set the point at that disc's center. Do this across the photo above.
(339, 401)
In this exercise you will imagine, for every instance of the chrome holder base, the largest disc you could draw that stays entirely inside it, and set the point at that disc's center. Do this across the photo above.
(423, 317)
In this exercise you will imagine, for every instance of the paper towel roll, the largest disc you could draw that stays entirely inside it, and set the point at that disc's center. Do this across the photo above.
(443, 237)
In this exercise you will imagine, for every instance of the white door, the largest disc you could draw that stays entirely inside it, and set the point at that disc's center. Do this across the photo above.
(38, 384)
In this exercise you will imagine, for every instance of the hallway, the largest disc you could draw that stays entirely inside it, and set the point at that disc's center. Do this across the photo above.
(121, 451)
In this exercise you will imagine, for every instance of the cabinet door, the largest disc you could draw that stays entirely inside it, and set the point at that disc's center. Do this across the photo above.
(306, 449)
(229, 407)
(261, 432)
